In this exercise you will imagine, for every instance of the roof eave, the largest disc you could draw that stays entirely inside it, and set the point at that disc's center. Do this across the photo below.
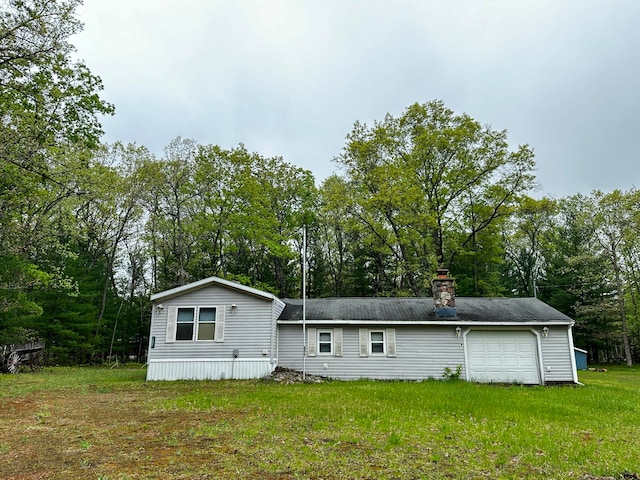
(468, 323)
(177, 291)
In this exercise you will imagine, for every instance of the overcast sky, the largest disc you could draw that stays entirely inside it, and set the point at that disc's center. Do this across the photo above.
(289, 78)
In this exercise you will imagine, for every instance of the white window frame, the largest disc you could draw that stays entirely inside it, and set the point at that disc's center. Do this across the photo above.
(196, 333)
(313, 342)
(388, 343)
(172, 323)
(383, 342)
(330, 342)
(192, 323)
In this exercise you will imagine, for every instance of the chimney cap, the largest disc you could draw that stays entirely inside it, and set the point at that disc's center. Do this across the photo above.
(442, 272)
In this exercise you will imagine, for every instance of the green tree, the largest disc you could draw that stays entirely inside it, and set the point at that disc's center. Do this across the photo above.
(425, 185)
(615, 222)
(529, 241)
(49, 106)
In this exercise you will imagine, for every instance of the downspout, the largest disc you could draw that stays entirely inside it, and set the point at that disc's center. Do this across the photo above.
(572, 352)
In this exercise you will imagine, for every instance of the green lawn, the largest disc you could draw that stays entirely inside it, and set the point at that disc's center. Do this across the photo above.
(96, 423)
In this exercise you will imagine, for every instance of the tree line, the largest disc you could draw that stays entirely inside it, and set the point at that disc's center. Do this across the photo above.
(89, 230)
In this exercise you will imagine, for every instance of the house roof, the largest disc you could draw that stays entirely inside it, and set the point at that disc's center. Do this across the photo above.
(474, 310)
(174, 292)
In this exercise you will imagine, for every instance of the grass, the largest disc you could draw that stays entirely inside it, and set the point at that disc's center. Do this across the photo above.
(95, 423)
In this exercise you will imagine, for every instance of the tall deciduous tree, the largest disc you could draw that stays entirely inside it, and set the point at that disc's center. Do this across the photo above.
(426, 184)
(615, 222)
(49, 106)
(529, 241)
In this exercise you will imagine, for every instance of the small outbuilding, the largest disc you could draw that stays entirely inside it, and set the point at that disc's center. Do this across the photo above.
(581, 358)
(216, 329)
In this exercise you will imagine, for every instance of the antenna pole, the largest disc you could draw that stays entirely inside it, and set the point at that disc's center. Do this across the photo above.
(304, 302)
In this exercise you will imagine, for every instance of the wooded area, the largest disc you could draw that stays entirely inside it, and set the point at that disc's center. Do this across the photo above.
(90, 230)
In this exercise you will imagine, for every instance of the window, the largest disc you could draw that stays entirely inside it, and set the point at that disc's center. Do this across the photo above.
(377, 342)
(185, 323)
(325, 342)
(192, 323)
(207, 323)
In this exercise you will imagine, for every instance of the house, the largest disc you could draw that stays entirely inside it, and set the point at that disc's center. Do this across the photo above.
(214, 329)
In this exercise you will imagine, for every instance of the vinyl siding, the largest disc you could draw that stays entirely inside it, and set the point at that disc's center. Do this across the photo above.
(249, 328)
(557, 355)
(420, 353)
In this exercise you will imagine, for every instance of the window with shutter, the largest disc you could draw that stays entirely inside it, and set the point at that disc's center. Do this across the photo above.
(185, 323)
(206, 323)
(377, 342)
(189, 324)
(325, 342)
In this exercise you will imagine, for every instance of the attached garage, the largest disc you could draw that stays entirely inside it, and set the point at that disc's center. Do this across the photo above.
(503, 356)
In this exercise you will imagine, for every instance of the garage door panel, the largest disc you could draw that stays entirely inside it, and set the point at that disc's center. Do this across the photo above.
(528, 362)
(510, 362)
(525, 347)
(494, 362)
(503, 356)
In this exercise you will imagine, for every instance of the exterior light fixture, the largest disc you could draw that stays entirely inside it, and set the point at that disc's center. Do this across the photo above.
(234, 307)
(545, 331)
(159, 308)
(458, 331)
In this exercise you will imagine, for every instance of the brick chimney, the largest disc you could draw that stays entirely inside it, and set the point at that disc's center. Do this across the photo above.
(444, 294)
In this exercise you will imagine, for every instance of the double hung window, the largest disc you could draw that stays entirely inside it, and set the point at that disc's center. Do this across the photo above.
(196, 323)
(325, 342)
(376, 341)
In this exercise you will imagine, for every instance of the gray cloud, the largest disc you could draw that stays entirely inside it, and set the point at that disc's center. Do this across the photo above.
(288, 78)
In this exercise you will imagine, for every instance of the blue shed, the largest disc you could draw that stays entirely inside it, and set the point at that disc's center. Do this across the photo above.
(581, 358)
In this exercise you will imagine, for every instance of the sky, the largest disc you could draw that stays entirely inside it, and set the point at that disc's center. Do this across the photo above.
(289, 78)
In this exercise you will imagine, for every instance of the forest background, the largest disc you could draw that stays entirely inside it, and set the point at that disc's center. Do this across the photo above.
(90, 230)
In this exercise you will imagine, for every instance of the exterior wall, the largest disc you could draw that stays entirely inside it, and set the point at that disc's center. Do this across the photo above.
(557, 355)
(209, 369)
(249, 328)
(421, 353)
(555, 352)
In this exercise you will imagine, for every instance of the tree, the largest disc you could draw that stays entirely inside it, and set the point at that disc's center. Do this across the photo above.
(426, 184)
(49, 106)
(529, 241)
(615, 222)
(595, 258)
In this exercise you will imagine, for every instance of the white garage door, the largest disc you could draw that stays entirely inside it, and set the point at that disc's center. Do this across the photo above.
(503, 356)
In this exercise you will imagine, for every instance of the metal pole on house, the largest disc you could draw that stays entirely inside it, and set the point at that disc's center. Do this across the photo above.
(304, 303)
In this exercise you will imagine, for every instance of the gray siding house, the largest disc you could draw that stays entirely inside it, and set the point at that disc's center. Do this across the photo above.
(216, 329)
(213, 329)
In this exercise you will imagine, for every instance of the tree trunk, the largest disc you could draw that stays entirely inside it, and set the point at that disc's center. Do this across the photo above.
(623, 313)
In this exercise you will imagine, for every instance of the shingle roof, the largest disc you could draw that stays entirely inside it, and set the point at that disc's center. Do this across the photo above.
(385, 309)
(206, 282)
